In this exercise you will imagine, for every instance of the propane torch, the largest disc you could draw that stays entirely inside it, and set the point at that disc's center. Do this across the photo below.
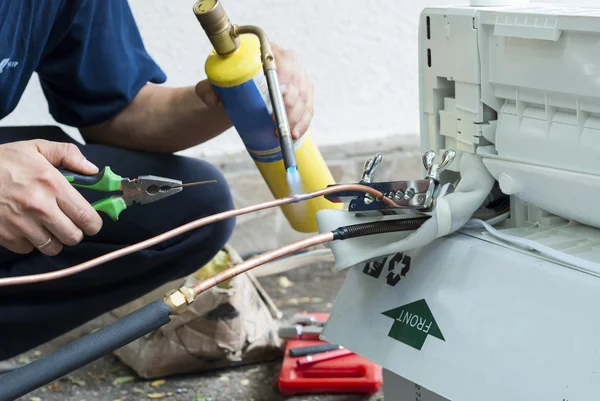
(224, 36)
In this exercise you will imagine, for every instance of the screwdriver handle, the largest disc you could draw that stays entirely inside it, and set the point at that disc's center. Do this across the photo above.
(105, 180)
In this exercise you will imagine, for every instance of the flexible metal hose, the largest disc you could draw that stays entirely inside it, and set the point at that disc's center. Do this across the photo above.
(341, 233)
(378, 227)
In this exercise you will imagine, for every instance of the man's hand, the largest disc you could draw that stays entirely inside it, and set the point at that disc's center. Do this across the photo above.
(296, 87)
(39, 208)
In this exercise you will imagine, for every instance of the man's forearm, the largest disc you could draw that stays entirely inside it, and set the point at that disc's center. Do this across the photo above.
(162, 119)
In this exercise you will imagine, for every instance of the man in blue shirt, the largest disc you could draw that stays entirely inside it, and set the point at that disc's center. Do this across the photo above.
(98, 77)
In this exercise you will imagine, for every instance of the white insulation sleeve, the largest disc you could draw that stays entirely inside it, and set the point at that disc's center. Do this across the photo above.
(574, 262)
(451, 213)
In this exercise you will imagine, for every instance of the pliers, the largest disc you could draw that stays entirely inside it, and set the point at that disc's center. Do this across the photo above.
(142, 190)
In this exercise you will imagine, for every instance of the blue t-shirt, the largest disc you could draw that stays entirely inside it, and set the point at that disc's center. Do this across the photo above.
(89, 56)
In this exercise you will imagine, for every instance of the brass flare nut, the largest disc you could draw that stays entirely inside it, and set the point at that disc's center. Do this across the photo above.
(178, 300)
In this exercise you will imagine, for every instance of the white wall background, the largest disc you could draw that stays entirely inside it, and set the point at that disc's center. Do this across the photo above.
(361, 56)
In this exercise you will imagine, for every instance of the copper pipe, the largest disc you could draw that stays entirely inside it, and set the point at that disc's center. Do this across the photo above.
(36, 278)
(256, 261)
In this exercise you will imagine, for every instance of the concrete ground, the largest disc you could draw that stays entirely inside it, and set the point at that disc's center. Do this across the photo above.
(314, 290)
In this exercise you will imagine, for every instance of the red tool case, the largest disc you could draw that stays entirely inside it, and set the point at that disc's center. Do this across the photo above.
(347, 374)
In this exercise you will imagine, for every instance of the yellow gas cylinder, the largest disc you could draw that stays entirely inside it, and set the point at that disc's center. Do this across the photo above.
(237, 76)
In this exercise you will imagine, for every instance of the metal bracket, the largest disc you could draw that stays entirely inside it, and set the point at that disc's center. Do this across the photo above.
(409, 195)
(369, 170)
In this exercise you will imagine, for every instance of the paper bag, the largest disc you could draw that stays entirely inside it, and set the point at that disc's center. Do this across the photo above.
(222, 328)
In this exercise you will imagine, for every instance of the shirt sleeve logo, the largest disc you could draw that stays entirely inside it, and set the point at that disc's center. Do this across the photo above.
(6, 64)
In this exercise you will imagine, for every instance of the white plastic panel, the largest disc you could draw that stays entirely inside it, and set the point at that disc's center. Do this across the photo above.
(397, 388)
(538, 69)
(573, 196)
(568, 68)
(554, 138)
(450, 80)
(515, 328)
(521, 87)
(487, 3)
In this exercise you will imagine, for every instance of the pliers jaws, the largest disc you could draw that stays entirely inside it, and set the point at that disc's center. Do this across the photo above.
(148, 188)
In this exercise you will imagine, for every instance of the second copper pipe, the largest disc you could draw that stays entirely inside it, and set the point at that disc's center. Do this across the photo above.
(256, 261)
(36, 278)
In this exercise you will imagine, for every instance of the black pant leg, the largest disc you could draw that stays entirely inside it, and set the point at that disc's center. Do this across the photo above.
(33, 314)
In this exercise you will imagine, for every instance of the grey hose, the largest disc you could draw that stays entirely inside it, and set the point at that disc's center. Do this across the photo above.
(83, 351)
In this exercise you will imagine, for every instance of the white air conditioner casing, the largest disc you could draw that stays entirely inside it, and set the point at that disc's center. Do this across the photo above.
(518, 85)
(523, 88)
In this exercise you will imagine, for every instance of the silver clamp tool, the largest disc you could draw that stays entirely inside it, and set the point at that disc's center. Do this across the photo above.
(409, 195)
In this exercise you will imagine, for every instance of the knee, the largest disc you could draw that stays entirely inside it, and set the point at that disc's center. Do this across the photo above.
(210, 199)
(197, 246)
(202, 244)
(220, 200)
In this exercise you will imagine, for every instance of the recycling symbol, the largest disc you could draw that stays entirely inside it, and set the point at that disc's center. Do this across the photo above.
(397, 267)
(375, 268)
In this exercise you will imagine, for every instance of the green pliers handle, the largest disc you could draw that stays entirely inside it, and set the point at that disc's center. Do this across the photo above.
(105, 181)
(112, 206)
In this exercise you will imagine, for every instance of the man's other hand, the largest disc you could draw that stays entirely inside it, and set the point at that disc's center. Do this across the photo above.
(296, 87)
(39, 208)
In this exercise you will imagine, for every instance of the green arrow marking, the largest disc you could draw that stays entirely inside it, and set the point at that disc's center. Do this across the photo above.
(413, 323)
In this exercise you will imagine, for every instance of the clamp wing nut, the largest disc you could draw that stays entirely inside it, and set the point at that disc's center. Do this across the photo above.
(434, 169)
(369, 170)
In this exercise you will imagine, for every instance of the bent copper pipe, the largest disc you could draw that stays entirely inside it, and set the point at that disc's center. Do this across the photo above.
(36, 278)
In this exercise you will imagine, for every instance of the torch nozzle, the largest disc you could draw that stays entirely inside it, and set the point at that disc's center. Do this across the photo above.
(283, 126)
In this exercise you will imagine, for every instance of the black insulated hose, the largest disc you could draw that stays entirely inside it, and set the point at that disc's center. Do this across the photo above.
(83, 351)
(378, 227)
